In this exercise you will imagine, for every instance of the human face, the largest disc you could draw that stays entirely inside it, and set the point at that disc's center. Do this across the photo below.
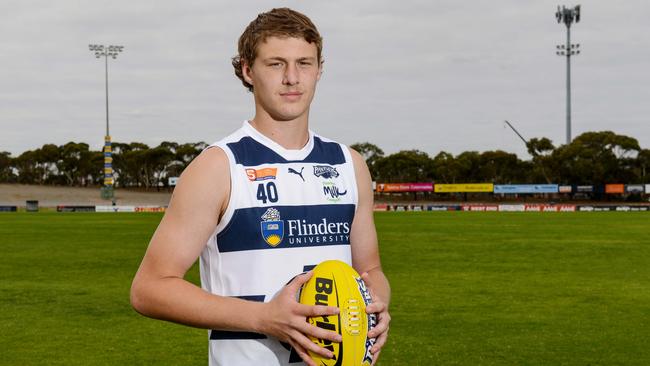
(284, 77)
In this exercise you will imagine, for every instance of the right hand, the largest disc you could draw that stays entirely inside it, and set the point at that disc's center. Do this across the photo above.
(286, 320)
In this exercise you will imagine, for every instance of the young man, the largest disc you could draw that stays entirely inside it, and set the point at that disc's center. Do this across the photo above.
(260, 207)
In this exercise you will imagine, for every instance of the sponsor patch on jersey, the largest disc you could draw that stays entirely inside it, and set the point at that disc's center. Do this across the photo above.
(325, 171)
(332, 191)
(302, 231)
(298, 173)
(261, 174)
(272, 227)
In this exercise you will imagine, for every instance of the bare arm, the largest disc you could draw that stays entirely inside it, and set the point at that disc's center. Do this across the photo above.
(160, 291)
(365, 253)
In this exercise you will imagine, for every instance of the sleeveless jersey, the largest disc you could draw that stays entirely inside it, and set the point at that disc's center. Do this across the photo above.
(288, 211)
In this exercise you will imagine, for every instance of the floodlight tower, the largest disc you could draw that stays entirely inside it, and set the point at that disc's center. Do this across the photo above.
(568, 16)
(106, 52)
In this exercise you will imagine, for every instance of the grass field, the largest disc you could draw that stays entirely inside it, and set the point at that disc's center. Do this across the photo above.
(468, 289)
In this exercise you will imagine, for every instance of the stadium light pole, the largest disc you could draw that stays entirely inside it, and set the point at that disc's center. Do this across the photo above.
(568, 16)
(107, 191)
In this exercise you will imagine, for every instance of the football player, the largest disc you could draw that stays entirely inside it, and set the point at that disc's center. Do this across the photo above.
(268, 202)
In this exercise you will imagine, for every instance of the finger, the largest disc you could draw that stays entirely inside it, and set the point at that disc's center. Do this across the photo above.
(375, 357)
(366, 278)
(375, 307)
(381, 340)
(320, 333)
(381, 327)
(303, 353)
(317, 310)
(308, 345)
(299, 280)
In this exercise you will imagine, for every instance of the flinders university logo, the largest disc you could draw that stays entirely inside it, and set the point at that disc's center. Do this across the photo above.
(272, 227)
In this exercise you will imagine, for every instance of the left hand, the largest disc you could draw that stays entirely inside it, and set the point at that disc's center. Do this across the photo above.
(380, 308)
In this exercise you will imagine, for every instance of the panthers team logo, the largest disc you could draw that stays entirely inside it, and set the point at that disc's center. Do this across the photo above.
(272, 227)
(325, 171)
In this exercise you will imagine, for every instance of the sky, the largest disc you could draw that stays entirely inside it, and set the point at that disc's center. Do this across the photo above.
(427, 75)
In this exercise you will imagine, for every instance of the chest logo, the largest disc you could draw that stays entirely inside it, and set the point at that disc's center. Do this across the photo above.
(272, 227)
(325, 171)
(332, 191)
(261, 174)
(293, 171)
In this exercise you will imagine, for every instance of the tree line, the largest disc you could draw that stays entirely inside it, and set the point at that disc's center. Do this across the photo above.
(592, 158)
(135, 164)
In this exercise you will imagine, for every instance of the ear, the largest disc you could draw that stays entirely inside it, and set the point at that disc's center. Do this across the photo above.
(247, 71)
(320, 69)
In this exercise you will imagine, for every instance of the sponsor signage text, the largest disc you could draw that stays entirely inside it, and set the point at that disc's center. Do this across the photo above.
(463, 187)
(526, 188)
(404, 187)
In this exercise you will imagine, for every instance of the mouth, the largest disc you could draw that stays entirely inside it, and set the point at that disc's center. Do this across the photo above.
(291, 95)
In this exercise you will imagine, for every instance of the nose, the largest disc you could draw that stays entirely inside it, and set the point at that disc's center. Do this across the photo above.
(290, 75)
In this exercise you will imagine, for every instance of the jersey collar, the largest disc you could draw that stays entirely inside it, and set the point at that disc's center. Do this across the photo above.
(289, 154)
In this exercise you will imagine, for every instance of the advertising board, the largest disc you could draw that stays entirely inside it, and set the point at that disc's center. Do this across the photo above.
(566, 208)
(589, 208)
(614, 188)
(639, 208)
(444, 208)
(404, 187)
(149, 209)
(109, 208)
(438, 208)
(549, 208)
(634, 188)
(585, 189)
(73, 208)
(525, 188)
(511, 208)
(421, 187)
(463, 187)
(480, 208)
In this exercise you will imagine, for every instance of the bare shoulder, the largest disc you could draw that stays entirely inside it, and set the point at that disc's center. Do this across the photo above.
(360, 168)
(357, 159)
(211, 161)
(205, 182)
(364, 180)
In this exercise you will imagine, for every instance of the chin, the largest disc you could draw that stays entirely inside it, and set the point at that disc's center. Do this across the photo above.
(288, 114)
(285, 117)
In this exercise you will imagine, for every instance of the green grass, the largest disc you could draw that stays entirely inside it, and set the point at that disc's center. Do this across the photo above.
(468, 289)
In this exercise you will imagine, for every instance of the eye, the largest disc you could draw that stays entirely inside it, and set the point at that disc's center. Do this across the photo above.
(275, 65)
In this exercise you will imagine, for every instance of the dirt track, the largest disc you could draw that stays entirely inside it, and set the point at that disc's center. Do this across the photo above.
(48, 196)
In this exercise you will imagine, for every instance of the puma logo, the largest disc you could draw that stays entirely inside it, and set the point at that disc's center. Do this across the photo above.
(291, 170)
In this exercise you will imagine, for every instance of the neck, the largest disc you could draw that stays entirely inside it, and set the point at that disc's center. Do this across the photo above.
(291, 135)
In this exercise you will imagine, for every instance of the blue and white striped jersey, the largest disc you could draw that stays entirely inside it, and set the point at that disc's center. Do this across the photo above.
(288, 211)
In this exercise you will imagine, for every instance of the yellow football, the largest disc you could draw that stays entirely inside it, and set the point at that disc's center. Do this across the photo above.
(335, 283)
